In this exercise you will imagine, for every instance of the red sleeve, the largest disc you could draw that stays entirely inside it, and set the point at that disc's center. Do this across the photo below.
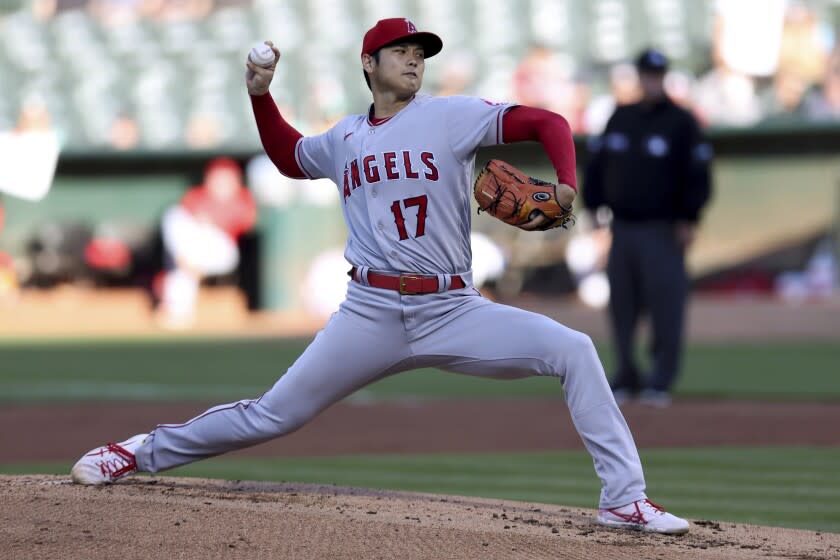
(523, 123)
(279, 138)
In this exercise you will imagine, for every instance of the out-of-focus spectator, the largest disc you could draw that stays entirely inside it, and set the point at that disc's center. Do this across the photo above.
(547, 80)
(33, 116)
(574, 100)
(784, 100)
(124, 133)
(203, 131)
(535, 78)
(803, 60)
(623, 90)
(823, 103)
(29, 152)
(679, 86)
(805, 44)
(727, 94)
(42, 10)
(116, 12)
(200, 236)
(457, 77)
(177, 10)
(726, 98)
(747, 34)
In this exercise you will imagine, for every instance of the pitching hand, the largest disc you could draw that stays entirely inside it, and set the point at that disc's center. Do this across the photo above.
(258, 78)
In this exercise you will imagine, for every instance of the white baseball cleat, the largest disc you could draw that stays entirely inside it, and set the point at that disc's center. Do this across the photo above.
(643, 515)
(108, 463)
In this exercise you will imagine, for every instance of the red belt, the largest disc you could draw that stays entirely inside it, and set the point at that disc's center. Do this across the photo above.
(408, 284)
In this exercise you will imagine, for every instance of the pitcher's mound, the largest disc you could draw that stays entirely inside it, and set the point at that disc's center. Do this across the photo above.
(47, 517)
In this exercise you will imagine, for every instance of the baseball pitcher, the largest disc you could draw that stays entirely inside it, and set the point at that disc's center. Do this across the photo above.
(403, 172)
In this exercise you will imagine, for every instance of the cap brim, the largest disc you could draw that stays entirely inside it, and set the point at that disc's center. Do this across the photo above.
(431, 43)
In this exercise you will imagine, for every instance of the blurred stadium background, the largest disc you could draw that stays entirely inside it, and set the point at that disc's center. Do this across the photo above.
(140, 95)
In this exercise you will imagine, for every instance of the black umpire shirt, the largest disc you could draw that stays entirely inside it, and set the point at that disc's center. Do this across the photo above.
(651, 163)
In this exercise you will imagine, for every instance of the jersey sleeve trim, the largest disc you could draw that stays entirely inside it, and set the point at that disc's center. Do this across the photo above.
(501, 109)
(500, 119)
(299, 160)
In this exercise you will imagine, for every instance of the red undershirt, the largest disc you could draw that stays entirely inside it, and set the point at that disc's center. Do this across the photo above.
(519, 124)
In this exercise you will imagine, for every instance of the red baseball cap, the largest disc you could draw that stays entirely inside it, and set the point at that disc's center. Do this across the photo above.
(393, 30)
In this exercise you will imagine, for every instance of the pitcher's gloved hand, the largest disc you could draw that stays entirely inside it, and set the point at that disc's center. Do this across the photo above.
(528, 203)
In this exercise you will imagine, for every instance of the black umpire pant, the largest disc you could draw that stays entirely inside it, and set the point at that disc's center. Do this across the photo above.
(646, 272)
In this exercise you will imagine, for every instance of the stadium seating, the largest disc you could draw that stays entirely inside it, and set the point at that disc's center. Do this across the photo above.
(179, 77)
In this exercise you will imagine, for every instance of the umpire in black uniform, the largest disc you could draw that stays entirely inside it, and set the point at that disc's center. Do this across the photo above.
(650, 167)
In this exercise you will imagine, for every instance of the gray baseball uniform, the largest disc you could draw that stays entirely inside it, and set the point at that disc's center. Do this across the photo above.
(405, 186)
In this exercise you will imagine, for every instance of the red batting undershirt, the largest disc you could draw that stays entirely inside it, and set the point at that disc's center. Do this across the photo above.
(520, 124)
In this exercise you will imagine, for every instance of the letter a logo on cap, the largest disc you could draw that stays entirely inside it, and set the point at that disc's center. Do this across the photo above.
(411, 27)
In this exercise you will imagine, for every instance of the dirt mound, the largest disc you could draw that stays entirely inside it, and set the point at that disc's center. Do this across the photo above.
(47, 517)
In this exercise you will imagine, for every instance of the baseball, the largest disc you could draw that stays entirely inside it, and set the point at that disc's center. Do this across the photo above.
(262, 55)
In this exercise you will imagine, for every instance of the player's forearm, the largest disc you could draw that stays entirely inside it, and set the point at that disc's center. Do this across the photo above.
(278, 137)
(549, 129)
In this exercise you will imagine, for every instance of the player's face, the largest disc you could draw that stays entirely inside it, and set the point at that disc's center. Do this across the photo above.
(222, 183)
(400, 68)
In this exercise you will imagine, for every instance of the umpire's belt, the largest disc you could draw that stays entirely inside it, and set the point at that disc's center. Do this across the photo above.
(407, 284)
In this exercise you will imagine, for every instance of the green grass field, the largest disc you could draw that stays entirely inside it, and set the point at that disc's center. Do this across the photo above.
(787, 487)
(791, 487)
(227, 369)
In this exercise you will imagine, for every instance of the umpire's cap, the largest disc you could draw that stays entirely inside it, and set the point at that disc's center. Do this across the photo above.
(652, 61)
(395, 30)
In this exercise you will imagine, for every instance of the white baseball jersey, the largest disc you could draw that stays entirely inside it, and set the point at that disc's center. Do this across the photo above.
(405, 185)
(406, 182)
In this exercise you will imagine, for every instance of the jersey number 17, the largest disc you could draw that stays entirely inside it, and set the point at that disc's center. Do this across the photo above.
(396, 208)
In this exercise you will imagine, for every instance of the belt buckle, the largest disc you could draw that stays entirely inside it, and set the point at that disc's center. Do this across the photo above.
(403, 278)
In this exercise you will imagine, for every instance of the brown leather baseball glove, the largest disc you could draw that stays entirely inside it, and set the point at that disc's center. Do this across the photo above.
(510, 195)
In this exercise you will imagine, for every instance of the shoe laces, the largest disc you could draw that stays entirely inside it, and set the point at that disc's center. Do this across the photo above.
(118, 461)
(642, 507)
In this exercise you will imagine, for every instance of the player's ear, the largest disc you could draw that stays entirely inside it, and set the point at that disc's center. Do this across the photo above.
(368, 62)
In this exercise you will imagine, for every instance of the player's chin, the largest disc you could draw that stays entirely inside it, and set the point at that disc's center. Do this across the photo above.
(411, 82)
(404, 88)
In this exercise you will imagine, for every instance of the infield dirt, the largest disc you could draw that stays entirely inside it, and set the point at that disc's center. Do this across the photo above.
(47, 517)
